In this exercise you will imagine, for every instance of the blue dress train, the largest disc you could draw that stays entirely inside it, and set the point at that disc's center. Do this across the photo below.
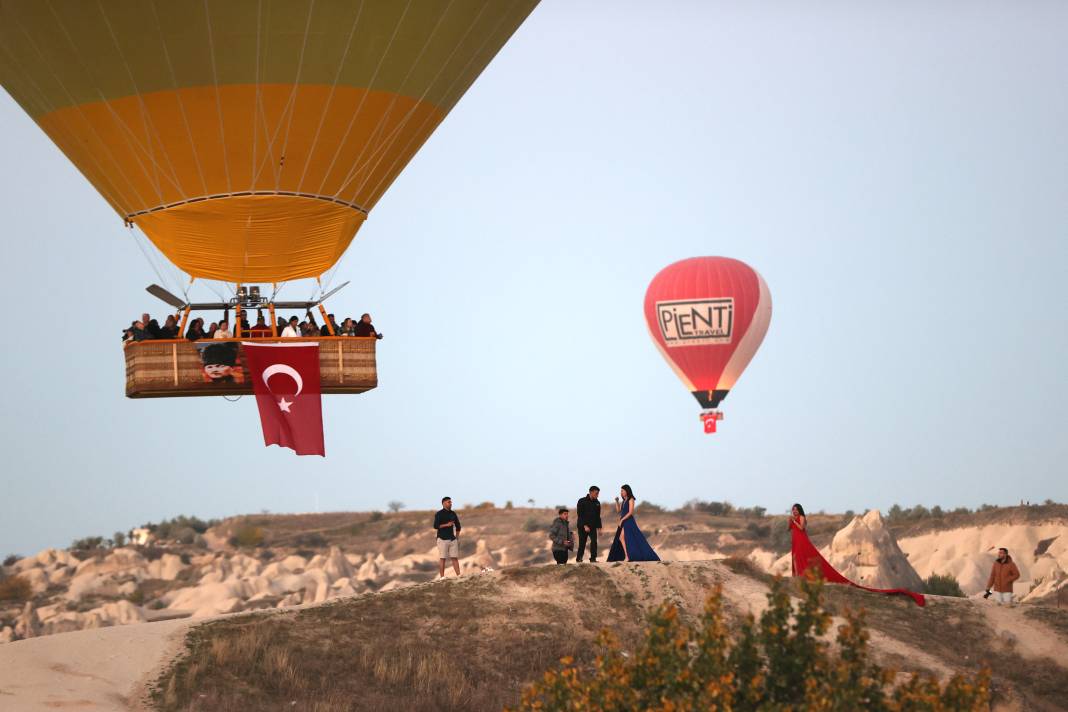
(638, 548)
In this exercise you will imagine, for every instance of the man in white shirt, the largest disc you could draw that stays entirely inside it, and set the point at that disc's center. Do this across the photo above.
(223, 332)
(291, 331)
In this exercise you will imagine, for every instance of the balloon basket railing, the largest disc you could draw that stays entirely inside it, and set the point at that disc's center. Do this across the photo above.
(709, 418)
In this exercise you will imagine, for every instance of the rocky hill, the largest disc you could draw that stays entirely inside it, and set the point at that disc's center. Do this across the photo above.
(473, 643)
(277, 561)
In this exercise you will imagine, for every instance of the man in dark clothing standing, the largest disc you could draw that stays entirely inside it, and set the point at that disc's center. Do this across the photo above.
(560, 536)
(589, 523)
(447, 525)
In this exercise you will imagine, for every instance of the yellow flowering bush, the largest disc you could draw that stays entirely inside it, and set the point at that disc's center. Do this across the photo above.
(778, 663)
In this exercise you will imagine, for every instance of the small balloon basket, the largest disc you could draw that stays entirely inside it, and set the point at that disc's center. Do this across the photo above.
(709, 418)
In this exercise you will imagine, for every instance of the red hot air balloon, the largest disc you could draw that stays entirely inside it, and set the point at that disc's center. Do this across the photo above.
(708, 316)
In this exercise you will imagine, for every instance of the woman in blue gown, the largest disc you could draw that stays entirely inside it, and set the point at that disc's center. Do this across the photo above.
(630, 543)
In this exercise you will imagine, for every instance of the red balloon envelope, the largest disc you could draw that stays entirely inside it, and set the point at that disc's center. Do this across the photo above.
(708, 315)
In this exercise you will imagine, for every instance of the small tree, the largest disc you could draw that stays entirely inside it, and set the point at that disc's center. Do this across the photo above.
(88, 543)
(780, 662)
(11, 559)
(395, 506)
(119, 539)
(943, 585)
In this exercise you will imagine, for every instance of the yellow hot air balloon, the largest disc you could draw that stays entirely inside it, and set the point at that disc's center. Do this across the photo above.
(248, 139)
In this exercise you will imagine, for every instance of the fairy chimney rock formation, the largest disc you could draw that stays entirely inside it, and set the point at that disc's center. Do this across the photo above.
(865, 552)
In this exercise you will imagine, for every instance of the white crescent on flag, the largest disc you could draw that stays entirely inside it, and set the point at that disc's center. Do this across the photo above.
(277, 368)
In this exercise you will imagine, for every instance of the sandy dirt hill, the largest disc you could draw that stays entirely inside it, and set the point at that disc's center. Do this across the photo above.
(278, 561)
(472, 643)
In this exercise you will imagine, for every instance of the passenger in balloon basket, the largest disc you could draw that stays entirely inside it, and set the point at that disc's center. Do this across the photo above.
(560, 536)
(629, 543)
(447, 526)
(293, 330)
(325, 330)
(364, 327)
(169, 330)
(196, 330)
(260, 330)
(223, 331)
(153, 329)
(136, 332)
(588, 512)
(221, 363)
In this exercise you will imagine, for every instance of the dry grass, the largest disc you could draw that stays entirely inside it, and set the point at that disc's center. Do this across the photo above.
(474, 644)
(1054, 618)
(446, 646)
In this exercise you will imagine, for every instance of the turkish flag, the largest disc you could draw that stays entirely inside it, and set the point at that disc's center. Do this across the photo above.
(285, 378)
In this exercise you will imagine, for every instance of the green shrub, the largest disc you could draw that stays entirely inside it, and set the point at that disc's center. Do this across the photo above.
(392, 531)
(781, 539)
(15, 588)
(716, 509)
(314, 539)
(247, 536)
(395, 506)
(943, 585)
(88, 543)
(650, 507)
(485, 505)
(534, 525)
(756, 512)
(376, 515)
(11, 559)
(758, 531)
(508, 504)
(169, 528)
(781, 662)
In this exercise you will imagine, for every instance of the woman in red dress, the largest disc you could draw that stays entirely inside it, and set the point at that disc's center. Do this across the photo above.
(804, 556)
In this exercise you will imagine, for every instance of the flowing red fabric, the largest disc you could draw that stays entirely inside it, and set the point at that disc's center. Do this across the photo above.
(805, 555)
(285, 379)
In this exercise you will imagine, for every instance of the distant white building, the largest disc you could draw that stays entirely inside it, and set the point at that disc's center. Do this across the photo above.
(141, 536)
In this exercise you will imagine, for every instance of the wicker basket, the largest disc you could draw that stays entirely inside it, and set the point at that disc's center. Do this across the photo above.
(160, 369)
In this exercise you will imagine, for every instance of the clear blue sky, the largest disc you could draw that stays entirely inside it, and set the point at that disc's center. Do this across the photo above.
(898, 172)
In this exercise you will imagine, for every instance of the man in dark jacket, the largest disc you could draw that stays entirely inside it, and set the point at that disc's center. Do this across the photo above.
(589, 523)
(447, 525)
(364, 327)
(1002, 576)
(560, 535)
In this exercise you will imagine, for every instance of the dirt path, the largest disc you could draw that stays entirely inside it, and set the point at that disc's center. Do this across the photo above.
(99, 669)
(1027, 637)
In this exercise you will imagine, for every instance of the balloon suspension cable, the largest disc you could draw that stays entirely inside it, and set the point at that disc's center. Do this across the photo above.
(709, 418)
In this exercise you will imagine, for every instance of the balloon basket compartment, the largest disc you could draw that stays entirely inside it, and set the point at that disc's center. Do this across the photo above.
(709, 418)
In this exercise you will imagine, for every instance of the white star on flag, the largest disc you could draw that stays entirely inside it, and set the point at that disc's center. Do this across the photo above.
(284, 405)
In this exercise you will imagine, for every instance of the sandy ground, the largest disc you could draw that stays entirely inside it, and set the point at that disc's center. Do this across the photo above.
(99, 669)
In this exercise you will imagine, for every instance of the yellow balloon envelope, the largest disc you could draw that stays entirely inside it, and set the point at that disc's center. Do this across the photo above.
(247, 138)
